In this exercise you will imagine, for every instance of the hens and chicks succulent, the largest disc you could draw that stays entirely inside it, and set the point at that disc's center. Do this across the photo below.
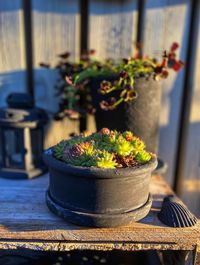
(103, 149)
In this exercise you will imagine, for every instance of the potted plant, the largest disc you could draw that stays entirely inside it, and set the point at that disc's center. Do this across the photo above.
(100, 180)
(73, 84)
(102, 88)
(130, 99)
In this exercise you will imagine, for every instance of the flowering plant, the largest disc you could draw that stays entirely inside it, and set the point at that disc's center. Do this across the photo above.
(73, 85)
(138, 67)
(104, 149)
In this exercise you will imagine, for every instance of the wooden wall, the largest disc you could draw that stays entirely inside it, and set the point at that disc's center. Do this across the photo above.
(188, 178)
(12, 53)
(112, 30)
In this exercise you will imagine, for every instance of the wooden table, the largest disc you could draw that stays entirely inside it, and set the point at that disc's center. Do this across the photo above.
(25, 222)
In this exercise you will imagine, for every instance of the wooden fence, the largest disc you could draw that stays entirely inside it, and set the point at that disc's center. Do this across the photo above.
(36, 31)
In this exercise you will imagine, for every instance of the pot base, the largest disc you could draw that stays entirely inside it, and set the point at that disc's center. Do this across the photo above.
(98, 220)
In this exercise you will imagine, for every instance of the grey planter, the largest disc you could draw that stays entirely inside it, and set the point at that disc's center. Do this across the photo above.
(140, 116)
(99, 197)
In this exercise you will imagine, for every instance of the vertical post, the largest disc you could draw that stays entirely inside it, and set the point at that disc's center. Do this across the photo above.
(27, 149)
(83, 48)
(140, 23)
(187, 95)
(3, 147)
(27, 19)
(84, 25)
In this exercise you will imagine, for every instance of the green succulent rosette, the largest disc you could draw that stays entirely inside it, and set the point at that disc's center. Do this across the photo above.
(103, 149)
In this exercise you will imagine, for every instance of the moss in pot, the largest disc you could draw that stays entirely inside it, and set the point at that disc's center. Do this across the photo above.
(100, 180)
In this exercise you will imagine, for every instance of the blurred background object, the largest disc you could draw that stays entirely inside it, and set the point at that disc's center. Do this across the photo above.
(21, 138)
(34, 31)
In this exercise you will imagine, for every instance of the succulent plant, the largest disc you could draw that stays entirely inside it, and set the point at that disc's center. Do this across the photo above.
(143, 156)
(59, 149)
(106, 160)
(103, 149)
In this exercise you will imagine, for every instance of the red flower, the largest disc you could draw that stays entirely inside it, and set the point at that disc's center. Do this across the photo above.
(174, 46)
(164, 62)
(178, 65)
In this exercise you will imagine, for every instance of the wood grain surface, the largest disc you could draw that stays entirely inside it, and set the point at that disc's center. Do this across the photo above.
(112, 28)
(12, 53)
(26, 222)
(55, 30)
(167, 21)
(190, 173)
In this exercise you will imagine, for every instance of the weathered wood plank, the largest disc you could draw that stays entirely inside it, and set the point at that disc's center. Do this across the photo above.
(26, 222)
(12, 60)
(167, 21)
(112, 27)
(55, 30)
(65, 246)
(56, 131)
(190, 189)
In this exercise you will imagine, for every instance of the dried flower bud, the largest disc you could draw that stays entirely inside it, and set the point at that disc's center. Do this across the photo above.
(45, 65)
(174, 46)
(64, 55)
(164, 74)
(128, 135)
(72, 114)
(92, 51)
(68, 79)
(165, 55)
(158, 69)
(108, 105)
(105, 131)
(125, 60)
(123, 74)
(105, 87)
(128, 87)
(128, 95)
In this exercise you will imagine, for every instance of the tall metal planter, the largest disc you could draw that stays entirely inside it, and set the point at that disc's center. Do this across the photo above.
(21, 138)
(140, 115)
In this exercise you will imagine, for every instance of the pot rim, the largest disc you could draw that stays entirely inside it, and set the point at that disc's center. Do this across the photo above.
(91, 172)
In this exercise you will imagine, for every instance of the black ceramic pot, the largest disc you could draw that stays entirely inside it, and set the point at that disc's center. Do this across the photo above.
(99, 197)
(140, 116)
